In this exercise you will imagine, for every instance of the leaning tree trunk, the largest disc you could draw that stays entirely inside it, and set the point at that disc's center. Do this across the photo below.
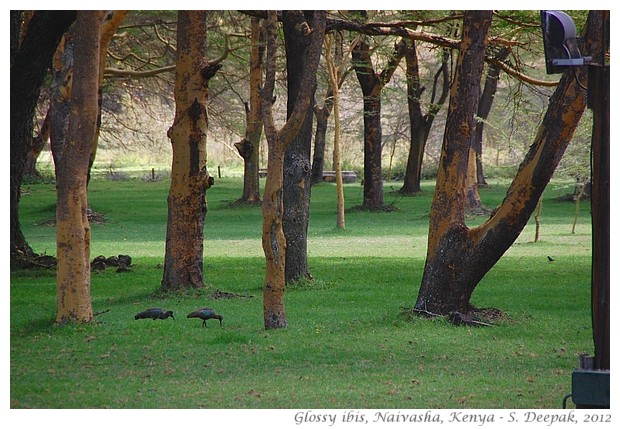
(297, 167)
(72, 227)
(459, 257)
(30, 62)
(274, 244)
(187, 206)
(112, 21)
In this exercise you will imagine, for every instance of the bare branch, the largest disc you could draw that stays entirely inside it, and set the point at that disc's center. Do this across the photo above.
(112, 72)
(516, 74)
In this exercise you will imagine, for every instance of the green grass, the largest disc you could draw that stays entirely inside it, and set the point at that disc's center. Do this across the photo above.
(347, 344)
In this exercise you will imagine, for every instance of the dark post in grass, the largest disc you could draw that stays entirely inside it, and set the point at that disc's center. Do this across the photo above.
(590, 382)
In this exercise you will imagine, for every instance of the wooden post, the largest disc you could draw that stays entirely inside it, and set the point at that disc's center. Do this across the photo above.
(598, 99)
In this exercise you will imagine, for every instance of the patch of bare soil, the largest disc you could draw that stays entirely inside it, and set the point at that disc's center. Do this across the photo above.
(476, 317)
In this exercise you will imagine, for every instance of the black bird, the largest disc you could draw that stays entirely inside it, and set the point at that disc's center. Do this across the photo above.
(550, 259)
(205, 314)
(154, 313)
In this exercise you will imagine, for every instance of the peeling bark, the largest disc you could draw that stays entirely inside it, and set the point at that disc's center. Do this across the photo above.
(187, 205)
(273, 240)
(459, 257)
(72, 226)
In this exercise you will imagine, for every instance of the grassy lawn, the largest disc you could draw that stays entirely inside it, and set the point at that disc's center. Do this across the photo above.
(347, 344)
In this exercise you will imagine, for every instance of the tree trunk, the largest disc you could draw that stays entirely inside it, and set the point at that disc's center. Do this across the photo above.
(322, 117)
(249, 147)
(448, 257)
(274, 244)
(413, 172)
(110, 24)
(62, 85)
(318, 158)
(30, 61)
(420, 124)
(60, 98)
(72, 227)
(297, 169)
(371, 90)
(187, 206)
(459, 257)
(38, 143)
(484, 108)
(333, 72)
(372, 84)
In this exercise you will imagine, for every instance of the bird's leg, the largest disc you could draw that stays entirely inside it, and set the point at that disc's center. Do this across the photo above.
(204, 323)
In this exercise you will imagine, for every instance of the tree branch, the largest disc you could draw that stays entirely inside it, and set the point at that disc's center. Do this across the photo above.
(516, 74)
(112, 72)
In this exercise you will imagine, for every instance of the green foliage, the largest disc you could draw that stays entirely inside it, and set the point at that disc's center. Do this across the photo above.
(347, 345)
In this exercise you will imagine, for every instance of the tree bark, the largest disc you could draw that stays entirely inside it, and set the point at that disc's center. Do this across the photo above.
(420, 124)
(333, 72)
(30, 61)
(447, 260)
(38, 143)
(60, 98)
(187, 205)
(322, 115)
(484, 108)
(297, 167)
(274, 244)
(318, 158)
(249, 147)
(372, 84)
(110, 24)
(459, 257)
(72, 227)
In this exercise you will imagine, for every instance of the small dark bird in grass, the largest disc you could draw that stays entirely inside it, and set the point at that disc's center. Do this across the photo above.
(154, 313)
(205, 314)
(550, 259)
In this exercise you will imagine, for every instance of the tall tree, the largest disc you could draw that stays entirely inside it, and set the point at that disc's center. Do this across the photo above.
(372, 84)
(484, 108)
(31, 54)
(72, 226)
(334, 74)
(322, 113)
(273, 240)
(458, 257)
(62, 83)
(187, 205)
(249, 147)
(421, 123)
(297, 166)
(475, 175)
